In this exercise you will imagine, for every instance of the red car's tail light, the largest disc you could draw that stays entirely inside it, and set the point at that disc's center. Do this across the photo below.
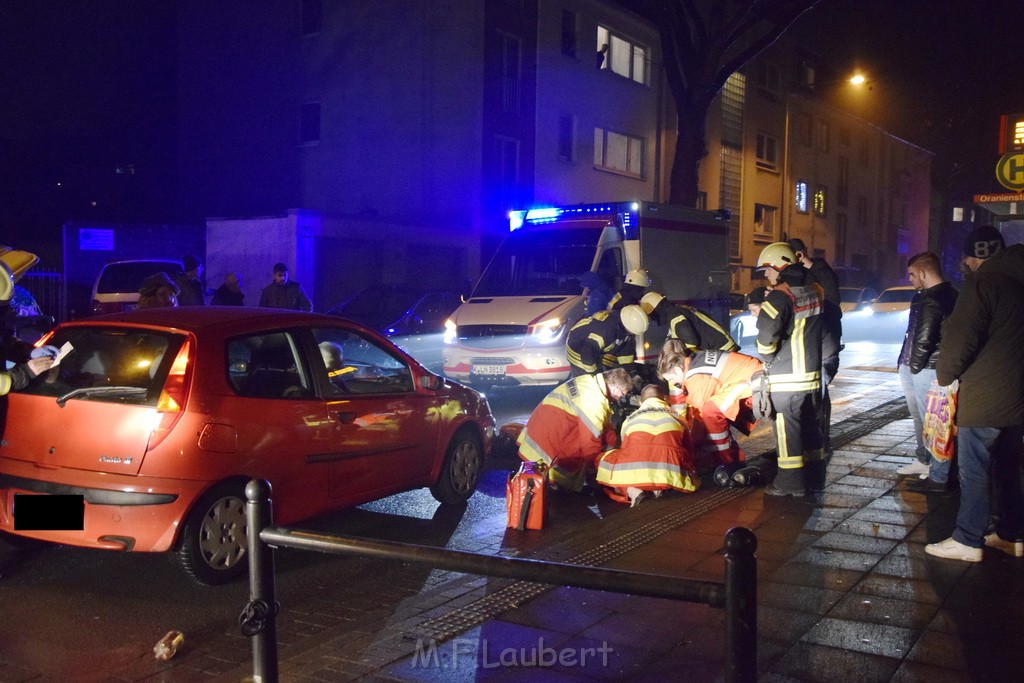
(171, 403)
(44, 340)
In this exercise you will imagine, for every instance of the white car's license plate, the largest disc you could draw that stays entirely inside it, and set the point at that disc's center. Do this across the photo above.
(488, 370)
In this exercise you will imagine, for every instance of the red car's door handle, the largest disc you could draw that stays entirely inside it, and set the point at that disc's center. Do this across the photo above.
(345, 418)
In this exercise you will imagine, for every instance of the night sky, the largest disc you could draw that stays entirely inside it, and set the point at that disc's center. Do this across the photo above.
(87, 98)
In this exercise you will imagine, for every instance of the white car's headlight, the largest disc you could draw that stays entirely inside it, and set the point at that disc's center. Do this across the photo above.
(546, 333)
(450, 332)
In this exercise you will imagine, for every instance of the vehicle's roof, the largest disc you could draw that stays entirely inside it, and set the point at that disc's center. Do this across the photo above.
(899, 287)
(196, 318)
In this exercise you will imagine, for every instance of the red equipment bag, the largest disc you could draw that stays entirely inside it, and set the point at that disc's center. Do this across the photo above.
(525, 499)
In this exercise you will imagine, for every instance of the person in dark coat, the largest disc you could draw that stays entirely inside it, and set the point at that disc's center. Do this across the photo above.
(230, 293)
(919, 355)
(284, 294)
(190, 283)
(981, 347)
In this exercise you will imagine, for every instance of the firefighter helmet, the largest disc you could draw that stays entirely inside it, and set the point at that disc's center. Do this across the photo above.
(634, 319)
(638, 277)
(777, 255)
(13, 264)
(650, 301)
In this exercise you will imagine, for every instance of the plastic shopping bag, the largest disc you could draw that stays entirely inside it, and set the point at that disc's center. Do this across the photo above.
(940, 421)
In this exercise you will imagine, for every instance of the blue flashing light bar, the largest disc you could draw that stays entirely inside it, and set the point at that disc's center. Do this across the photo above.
(627, 212)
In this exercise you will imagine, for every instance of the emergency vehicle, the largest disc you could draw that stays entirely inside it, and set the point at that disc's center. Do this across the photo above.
(512, 330)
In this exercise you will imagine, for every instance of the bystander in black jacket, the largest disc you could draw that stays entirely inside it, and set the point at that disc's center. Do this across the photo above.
(983, 343)
(929, 308)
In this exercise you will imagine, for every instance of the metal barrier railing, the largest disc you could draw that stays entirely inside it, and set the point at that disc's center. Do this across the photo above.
(737, 595)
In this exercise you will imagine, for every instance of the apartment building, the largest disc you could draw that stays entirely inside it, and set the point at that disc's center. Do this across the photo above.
(386, 141)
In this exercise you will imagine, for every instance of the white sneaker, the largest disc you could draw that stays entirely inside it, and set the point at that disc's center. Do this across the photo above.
(917, 467)
(954, 550)
(1011, 548)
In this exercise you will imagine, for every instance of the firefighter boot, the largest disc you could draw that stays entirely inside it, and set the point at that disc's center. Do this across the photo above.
(787, 482)
(814, 475)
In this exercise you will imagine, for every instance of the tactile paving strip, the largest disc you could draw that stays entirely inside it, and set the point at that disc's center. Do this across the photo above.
(466, 617)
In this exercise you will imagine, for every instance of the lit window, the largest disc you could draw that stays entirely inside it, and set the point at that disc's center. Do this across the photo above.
(621, 56)
(764, 220)
(819, 201)
(618, 152)
(800, 196)
(767, 151)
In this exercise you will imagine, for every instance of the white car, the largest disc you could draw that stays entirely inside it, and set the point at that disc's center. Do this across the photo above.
(855, 298)
(894, 299)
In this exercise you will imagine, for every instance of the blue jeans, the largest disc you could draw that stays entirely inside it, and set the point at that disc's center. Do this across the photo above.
(915, 388)
(989, 460)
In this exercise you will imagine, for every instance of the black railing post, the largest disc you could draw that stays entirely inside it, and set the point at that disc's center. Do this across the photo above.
(262, 608)
(740, 606)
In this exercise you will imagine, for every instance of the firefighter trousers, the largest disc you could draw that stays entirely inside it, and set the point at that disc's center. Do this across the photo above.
(798, 439)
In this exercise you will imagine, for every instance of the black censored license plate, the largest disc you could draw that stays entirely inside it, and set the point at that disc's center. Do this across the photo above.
(36, 512)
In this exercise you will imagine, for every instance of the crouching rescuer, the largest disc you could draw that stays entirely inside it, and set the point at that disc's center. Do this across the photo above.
(571, 427)
(654, 456)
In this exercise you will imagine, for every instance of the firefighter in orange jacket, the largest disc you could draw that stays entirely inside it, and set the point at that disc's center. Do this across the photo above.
(654, 455)
(696, 329)
(716, 390)
(570, 428)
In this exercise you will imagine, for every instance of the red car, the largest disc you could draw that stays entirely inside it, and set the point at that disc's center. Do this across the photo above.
(145, 434)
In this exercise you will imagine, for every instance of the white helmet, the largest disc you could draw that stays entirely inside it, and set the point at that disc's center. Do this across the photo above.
(777, 255)
(638, 277)
(634, 319)
(650, 301)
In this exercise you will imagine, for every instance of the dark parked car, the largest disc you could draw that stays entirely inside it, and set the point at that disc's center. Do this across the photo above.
(413, 319)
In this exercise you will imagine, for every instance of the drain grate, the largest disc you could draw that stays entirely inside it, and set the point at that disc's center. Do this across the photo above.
(518, 593)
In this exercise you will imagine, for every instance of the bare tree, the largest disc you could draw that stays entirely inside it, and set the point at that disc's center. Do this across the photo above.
(703, 42)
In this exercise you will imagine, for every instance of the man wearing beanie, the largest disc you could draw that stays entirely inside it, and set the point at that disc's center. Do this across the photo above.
(982, 343)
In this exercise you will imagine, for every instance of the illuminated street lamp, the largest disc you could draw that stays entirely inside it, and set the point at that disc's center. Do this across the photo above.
(858, 79)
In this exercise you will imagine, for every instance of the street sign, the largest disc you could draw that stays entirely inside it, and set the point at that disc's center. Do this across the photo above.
(1010, 171)
(1001, 197)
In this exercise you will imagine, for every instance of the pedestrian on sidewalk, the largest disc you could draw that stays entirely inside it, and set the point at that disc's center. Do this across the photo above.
(190, 283)
(230, 293)
(572, 426)
(982, 343)
(284, 294)
(789, 340)
(654, 455)
(919, 355)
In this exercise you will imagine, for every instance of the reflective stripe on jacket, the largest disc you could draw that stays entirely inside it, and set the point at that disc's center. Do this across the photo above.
(789, 331)
(721, 377)
(652, 456)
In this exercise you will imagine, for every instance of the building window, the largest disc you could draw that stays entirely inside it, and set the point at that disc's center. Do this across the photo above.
(840, 238)
(733, 97)
(566, 137)
(507, 154)
(767, 151)
(621, 56)
(864, 153)
(568, 33)
(862, 211)
(958, 214)
(768, 80)
(618, 152)
(312, 16)
(803, 129)
(511, 72)
(309, 123)
(819, 201)
(843, 182)
(824, 136)
(764, 221)
(800, 196)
